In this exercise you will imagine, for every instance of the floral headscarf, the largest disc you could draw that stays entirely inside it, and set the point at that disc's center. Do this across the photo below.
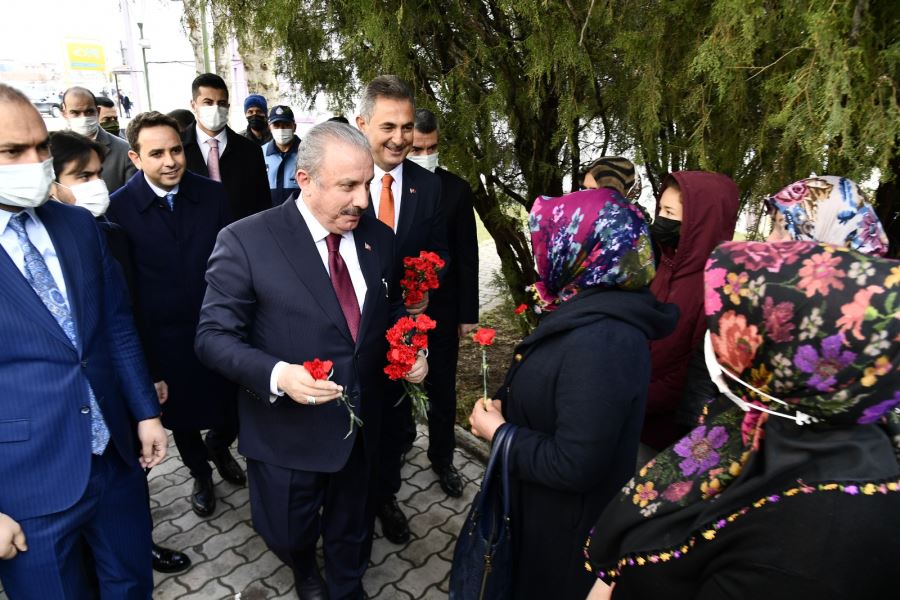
(592, 238)
(813, 325)
(832, 210)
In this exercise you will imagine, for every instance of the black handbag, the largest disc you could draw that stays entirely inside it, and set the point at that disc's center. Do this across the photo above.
(482, 559)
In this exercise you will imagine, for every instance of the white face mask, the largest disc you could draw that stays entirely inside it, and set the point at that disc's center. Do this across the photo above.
(26, 185)
(427, 161)
(86, 126)
(717, 372)
(283, 136)
(213, 117)
(92, 195)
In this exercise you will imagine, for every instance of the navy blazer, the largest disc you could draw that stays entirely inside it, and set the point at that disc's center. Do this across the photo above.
(169, 251)
(45, 423)
(269, 298)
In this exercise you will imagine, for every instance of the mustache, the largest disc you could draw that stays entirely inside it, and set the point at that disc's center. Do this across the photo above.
(352, 211)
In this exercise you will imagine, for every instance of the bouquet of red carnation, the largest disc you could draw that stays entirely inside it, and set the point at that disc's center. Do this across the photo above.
(322, 370)
(484, 337)
(406, 338)
(420, 275)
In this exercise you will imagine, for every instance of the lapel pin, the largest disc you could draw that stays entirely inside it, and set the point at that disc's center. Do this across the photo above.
(412, 190)
(367, 246)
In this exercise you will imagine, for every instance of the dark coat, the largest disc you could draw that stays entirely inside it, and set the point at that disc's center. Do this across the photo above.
(456, 301)
(576, 389)
(170, 251)
(45, 424)
(243, 172)
(421, 225)
(710, 206)
(270, 299)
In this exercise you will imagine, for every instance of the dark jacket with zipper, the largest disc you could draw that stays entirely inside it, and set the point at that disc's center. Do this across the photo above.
(577, 389)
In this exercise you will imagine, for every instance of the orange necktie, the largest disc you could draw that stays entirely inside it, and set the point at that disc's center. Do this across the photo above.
(386, 204)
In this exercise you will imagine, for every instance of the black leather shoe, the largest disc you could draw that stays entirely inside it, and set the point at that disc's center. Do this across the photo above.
(169, 561)
(227, 467)
(203, 499)
(450, 480)
(311, 588)
(393, 522)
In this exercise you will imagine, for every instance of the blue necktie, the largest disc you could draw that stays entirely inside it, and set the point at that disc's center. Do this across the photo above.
(170, 201)
(40, 278)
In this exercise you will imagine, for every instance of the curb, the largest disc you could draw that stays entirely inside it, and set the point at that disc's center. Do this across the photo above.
(475, 447)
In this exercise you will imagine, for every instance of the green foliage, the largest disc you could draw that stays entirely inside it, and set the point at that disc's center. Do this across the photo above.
(765, 91)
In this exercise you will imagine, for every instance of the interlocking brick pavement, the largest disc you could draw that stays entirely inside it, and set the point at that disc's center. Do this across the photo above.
(231, 561)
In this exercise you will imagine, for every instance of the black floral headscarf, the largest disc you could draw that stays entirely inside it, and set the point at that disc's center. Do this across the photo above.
(812, 331)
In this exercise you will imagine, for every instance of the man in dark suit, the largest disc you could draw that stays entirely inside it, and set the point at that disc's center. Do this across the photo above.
(74, 388)
(454, 306)
(407, 198)
(171, 218)
(308, 279)
(216, 151)
(80, 109)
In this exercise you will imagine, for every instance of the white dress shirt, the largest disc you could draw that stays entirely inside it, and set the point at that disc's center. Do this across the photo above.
(203, 142)
(39, 236)
(396, 190)
(351, 260)
(158, 190)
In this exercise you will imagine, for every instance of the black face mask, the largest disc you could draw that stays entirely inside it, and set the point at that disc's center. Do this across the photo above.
(666, 232)
(257, 123)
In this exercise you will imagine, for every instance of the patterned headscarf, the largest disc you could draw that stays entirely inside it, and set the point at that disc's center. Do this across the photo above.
(832, 210)
(815, 326)
(592, 238)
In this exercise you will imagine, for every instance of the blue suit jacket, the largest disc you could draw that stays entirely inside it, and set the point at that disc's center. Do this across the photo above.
(45, 431)
(269, 299)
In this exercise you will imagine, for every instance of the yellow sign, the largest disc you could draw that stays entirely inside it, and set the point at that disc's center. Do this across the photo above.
(85, 56)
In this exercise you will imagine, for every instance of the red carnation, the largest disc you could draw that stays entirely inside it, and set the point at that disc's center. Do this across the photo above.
(484, 336)
(520, 309)
(320, 370)
(420, 276)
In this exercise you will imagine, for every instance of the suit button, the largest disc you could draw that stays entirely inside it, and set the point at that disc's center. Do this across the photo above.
(85, 410)
(84, 364)
(518, 358)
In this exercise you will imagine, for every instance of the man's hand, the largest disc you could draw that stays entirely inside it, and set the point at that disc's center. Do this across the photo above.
(417, 309)
(162, 391)
(419, 370)
(12, 539)
(153, 442)
(466, 328)
(486, 419)
(296, 382)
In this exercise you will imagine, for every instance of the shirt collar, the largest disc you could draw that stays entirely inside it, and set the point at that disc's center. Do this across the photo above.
(158, 190)
(317, 230)
(5, 216)
(396, 173)
(202, 137)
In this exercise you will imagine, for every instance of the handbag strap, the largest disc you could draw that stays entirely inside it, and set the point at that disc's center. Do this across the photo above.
(495, 459)
(510, 433)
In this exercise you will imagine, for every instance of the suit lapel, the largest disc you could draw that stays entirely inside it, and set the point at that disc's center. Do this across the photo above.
(296, 242)
(368, 262)
(409, 196)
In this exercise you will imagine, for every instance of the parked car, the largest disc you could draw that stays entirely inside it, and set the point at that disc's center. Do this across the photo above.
(48, 105)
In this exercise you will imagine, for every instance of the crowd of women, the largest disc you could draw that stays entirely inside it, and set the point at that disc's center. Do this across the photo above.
(754, 384)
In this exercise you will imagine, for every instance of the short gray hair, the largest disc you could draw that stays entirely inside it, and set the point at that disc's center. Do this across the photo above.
(312, 149)
(385, 86)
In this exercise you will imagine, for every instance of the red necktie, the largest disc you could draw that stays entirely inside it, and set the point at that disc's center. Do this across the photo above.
(343, 286)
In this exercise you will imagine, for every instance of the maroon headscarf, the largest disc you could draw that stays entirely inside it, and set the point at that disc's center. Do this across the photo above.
(710, 207)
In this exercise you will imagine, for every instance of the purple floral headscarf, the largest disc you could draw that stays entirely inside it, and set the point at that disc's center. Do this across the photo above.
(814, 325)
(591, 238)
(832, 210)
